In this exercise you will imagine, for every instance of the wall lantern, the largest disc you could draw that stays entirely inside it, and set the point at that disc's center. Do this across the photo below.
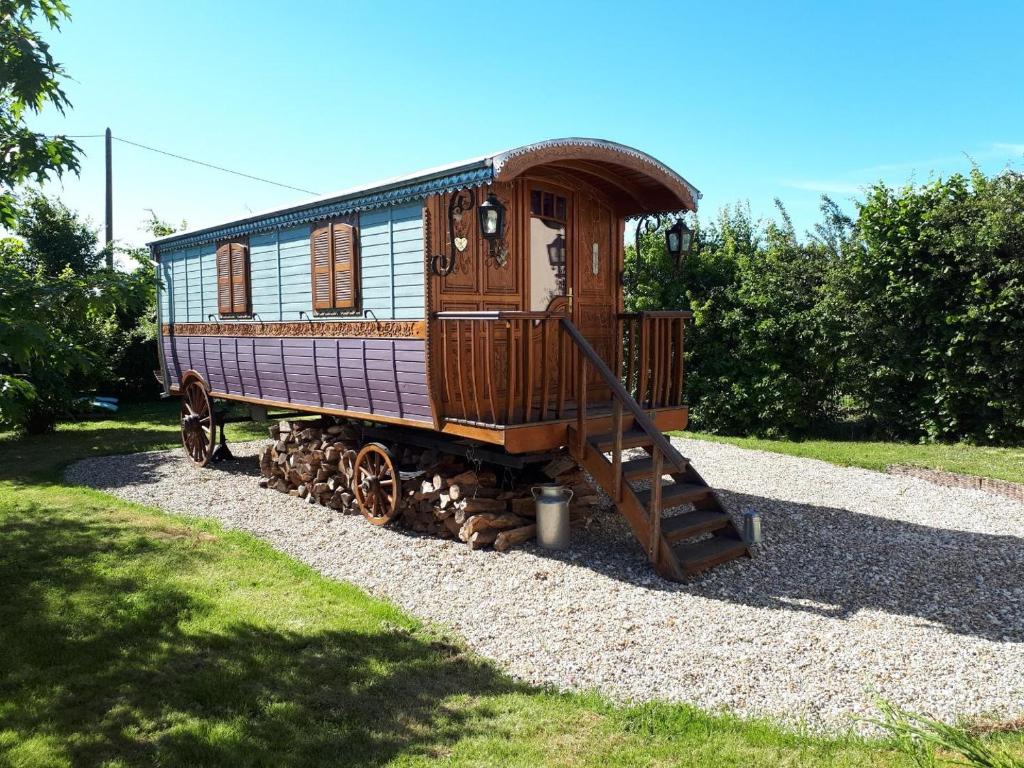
(492, 220)
(678, 240)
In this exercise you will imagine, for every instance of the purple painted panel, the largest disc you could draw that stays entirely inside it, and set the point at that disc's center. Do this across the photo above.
(376, 376)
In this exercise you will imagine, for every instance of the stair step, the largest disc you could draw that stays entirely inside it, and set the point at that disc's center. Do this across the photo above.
(633, 438)
(641, 469)
(674, 494)
(679, 527)
(708, 553)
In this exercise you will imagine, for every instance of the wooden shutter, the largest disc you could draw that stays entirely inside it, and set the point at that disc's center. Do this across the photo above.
(345, 271)
(335, 266)
(224, 278)
(240, 278)
(233, 278)
(320, 246)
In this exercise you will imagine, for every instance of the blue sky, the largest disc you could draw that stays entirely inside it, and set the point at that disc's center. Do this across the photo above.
(748, 100)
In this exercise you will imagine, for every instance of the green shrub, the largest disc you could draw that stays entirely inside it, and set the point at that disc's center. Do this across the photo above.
(904, 322)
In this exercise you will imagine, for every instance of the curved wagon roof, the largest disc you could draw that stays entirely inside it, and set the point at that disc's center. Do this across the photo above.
(639, 183)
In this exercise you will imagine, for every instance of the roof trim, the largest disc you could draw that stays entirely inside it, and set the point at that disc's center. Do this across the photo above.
(397, 191)
(447, 178)
(514, 162)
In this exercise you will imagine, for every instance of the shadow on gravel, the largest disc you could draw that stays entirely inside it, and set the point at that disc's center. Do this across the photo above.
(105, 659)
(834, 562)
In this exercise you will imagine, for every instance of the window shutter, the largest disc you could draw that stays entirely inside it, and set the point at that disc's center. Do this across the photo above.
(233, 278)
(239, 278)
(224, 279)
(345, 266)
(320, 247)
(335, 265)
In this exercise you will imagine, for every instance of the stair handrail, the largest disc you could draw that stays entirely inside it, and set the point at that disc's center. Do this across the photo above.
(615, 385)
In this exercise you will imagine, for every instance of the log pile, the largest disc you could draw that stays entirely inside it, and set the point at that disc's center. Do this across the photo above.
(442, 494)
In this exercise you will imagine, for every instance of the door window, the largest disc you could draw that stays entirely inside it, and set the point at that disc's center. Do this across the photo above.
(548, 246)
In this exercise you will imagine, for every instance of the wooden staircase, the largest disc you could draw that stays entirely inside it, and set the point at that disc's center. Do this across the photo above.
(680, 546)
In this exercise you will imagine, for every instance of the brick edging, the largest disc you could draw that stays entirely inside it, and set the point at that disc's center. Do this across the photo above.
(1013, 491)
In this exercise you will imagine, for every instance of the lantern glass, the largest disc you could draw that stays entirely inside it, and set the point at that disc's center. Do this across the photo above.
(490, 222)
(678, 239)
(673, 243)
(492, 218)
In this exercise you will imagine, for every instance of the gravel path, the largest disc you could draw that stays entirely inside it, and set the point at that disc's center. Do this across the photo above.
(867, 585)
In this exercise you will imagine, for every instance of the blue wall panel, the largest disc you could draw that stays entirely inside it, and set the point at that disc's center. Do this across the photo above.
(208, 255)
(391, 271)
(263, 276)
(295, 277)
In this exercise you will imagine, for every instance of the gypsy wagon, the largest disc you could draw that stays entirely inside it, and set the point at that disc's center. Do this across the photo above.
(479, 304)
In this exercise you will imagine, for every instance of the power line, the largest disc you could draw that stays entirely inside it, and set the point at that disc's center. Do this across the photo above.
(191, 160)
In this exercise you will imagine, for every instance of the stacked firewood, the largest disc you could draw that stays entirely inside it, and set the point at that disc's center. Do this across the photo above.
(311, 460)
(441, 494)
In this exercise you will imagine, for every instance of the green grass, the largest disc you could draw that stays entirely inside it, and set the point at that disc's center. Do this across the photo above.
(130, 637)
(998, 463)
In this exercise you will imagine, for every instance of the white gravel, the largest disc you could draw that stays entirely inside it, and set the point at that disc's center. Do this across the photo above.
(867, 585)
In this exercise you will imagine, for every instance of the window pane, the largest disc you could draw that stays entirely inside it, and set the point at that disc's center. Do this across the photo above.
(535, 202)
(549, 204)
(560, 208)
(547, 262)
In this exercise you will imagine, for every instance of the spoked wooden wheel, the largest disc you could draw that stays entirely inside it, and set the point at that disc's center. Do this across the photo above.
(375, 484)
(198, 425)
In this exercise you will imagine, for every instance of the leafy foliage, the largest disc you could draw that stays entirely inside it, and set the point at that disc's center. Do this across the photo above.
(66, 323)
(29, 80)
(905, 322)
(935, 292)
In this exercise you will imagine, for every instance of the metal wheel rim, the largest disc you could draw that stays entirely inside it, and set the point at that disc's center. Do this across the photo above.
(375, 484)
(198, 426)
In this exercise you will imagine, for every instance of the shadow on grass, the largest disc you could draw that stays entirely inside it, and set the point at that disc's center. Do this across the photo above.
(105, 659)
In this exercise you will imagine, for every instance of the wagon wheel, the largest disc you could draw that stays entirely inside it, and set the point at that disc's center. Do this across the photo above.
(198, 424)
(375, 484)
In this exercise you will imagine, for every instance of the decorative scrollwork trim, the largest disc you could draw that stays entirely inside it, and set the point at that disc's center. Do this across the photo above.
(341, 329)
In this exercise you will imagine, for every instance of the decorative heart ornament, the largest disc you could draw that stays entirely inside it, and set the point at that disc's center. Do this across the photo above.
(461, 243)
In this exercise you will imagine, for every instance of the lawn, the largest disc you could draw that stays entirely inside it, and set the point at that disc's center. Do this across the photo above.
(131, 637)
(998, 463)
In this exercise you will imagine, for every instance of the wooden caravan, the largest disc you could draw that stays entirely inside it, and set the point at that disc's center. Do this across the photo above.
(480, 301)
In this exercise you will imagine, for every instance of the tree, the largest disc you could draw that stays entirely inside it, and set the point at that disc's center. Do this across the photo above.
(29, 80)
(56, 238)
(68, 325)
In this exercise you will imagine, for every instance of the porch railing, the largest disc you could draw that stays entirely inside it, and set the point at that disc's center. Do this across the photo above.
(652, 357)
(504, 368)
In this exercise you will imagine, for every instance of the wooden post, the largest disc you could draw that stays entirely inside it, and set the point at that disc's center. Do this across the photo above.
(458, 366)
(617, 449)
(109, 212)
(680, 350)
(527, 370)
(478, 414)
(581, 402)
(563, 369)
(511, 386)
(544, 364)
(489, 352)
(641, 395)
(655, 510)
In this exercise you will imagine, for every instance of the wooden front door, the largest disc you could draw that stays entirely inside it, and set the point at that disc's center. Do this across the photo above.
(595, 283)
(572, 262)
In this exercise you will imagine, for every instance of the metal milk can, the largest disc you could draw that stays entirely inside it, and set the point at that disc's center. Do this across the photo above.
(552, 515)
(752, 526)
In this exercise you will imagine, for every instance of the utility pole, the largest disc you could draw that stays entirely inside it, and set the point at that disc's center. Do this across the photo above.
(110, 206)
